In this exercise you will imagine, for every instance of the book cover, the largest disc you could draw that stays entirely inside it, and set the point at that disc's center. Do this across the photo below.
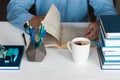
(110, 25)
(16, 64)
(113, 42)
(109, 50)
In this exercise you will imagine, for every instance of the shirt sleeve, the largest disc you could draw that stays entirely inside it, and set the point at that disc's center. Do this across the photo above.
(103, 7)
(18, 12)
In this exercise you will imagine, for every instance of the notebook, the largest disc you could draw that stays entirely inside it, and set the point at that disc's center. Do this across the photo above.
(15, 64)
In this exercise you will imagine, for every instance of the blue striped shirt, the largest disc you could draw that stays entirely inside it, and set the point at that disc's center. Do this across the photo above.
(70, 10)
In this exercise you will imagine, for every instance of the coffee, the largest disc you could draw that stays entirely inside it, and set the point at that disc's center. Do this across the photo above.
(81, 42)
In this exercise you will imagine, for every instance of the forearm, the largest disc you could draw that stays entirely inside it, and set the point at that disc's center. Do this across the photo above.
(17, 13)
(103, 7)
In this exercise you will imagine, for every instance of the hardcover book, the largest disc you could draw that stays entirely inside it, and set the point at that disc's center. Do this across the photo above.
(5, 64)
(113, 42)
(109, 50)
(110, 25)
(107, 65)
(106, 57)
(58, 35)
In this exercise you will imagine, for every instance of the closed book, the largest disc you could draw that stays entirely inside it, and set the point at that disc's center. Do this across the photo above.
(112, 58)
(108, 58)
(109, 50)
(111, 53)
(111, 62)
(15, 64)
(109, 41)
(110, 25)
(107, 65)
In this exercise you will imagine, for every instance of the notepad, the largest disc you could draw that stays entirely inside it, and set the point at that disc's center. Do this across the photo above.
(12, 62)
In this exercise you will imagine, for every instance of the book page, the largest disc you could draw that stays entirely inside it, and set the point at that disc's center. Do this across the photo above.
(52, 22)
(72, 30)
(50, 41)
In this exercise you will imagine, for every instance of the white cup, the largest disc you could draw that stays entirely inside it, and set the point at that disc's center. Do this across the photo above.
(80, 49)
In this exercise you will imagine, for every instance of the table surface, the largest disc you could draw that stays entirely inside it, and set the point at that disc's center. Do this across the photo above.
(57, 65)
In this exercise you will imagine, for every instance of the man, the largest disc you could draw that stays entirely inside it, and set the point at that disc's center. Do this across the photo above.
(70, 10)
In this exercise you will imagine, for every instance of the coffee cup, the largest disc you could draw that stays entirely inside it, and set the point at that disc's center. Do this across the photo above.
(80, 49)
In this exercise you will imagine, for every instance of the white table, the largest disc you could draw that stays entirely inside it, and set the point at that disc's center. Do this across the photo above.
(57, 65)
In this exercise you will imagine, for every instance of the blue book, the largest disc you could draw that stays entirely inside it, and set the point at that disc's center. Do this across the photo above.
(108, 50)
(108, 58)
(109, 41)
(110, 25)
(107, 65)
(9, 63)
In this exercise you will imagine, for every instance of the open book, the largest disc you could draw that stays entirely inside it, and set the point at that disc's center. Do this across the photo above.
(57, 34)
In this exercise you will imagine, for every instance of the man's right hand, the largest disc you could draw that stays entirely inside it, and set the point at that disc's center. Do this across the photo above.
(35, 21)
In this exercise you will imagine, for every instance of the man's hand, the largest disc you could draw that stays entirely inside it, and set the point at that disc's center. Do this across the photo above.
(92, 30)
(35, 21)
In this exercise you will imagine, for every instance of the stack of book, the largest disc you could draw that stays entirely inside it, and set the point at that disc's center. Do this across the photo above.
(109, 42)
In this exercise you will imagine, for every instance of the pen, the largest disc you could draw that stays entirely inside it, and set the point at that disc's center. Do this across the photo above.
(23, 35)
(15, 54)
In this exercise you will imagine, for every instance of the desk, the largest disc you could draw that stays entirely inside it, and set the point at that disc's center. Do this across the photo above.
(57, 65)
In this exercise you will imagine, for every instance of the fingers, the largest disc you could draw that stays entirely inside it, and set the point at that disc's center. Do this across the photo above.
(88, 30)
(93, 35)
(92, 31)
(35, 21)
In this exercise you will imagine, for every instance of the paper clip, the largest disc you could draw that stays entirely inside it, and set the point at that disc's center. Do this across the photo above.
(8, 57)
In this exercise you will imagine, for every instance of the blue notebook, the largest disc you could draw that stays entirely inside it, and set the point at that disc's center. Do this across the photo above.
(8, 63)
(110, 25)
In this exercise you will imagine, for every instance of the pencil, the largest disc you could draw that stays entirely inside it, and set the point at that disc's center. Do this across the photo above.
(23, 35)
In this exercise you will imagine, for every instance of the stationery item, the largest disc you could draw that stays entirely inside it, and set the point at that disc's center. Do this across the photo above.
(36, 54)
(80, 48)
(8, 57)
(23, 35)
(110, 25)
(57, 35)
(15, 54)
(42, 34)
(2, 50)
(8, 64)
(32, 31)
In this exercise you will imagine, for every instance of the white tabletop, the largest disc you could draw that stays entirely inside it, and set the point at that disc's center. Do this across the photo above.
(57, 65)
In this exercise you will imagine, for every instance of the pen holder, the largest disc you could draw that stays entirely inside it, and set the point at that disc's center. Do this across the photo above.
(36, 54)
